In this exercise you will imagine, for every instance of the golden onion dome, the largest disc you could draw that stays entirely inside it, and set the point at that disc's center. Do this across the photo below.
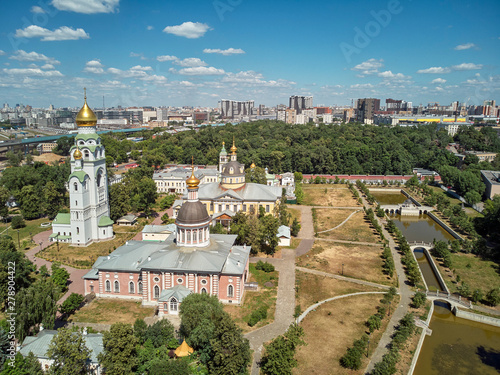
(192, 182)
(86, 117)
(77, 154)
(252, 166)
(233, 147)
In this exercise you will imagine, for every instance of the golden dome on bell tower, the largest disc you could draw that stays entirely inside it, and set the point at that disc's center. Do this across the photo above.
(77, 154)
(233, 148)
(86, 117)
(192, 182)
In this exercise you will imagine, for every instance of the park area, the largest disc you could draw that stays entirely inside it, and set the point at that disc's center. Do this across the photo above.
(331, 328)
(326, 195)
(352, 260)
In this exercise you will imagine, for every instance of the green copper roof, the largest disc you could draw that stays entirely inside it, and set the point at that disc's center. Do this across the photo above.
(78, 174)
(86, 137)
(105, 221)
(223, 151)
(62, 218)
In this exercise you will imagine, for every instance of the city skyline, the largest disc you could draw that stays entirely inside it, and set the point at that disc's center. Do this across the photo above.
(196, 53)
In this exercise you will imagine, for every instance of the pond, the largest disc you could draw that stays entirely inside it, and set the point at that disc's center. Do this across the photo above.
(420, 228)
(458, 346)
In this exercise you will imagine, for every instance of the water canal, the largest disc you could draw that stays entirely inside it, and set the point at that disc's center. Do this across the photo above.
(458, 346)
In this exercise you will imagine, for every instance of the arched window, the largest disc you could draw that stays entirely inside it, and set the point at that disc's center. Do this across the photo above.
(108, 286)
(203, 291)
(76, 214)
(131, 287)
(230, 291)
(156, 292)
(75, 185)
(98, 180)
(77, 230)
(173, 304)
(139, 287)
(117, 286)
(86, 154)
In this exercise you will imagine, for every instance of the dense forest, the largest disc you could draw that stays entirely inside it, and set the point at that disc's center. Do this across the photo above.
(326, 149)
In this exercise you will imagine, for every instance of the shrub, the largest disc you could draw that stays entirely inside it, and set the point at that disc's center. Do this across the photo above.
(18, 222)
(72, 303)
(264, 266)
(419, 300)
(373, 323)
(493, 296)
(352, 358)
(477, 295)
(258, 315)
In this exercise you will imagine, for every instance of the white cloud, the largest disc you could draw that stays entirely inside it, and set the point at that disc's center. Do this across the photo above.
(461, 47)
(149, 28)
(438, 80)
(32, 56)
(87, 6)
(37, 9)
(201, 71)
(225, 52)
(140, 55)
(33, 72)
(191, 62)
(143, 68)
(370, 66)
(467, 66)
(393, 76)
(62, 33)
(166, 58)
(362, 86)
(434, 70)
(190, 30)
(187, 84)
(2, 52)
(48, 67)
(94, 67)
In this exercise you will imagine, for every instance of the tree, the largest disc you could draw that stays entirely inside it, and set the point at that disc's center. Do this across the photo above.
(419, 300)
(352, 358)
(28, 365)
(119, 200)
(4, 197)
(230, 350)
(63, 145)
(493, 296)
(295, 228)
(4, 346)
(72, 303)
(60, 276)
(373, 323)
(17, 222)
(140, 328)
(165, 219)
(53, 199)
(256, 175)
(30, 202)
(119, 355)
(161, 333)
(167, 201)
(268, 230)
(145, 195)
(14, 159)
(412, 182)
(279, 354)
(69, 353)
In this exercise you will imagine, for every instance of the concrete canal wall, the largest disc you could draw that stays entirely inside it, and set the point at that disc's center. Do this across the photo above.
(445, 226)
(436, 271)
(476, 317)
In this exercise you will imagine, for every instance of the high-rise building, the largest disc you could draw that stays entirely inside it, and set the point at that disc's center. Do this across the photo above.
(489, 107)
(234, 108)
(396, 105)
(366, 108)
(300, 102)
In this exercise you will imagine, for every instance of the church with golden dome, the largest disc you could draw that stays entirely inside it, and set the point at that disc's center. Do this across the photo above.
(224, 199)
(88, 220)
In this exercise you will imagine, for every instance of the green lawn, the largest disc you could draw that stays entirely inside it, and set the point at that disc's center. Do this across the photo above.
(32, 227)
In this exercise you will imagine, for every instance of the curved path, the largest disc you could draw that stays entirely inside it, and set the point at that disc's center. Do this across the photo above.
(342, 223)
(313, 307)
(343, 278)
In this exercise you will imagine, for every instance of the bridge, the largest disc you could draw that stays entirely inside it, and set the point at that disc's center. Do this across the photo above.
(455, 300)
(406, 209)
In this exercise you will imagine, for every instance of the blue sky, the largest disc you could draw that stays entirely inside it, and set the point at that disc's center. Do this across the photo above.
(196, 52)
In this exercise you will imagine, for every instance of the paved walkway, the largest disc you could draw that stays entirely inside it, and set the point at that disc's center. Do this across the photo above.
(75, 279)
(306, 225)
(285, 307)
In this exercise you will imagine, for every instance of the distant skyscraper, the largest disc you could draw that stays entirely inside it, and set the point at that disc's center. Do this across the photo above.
(300, 102)
(366, 108)
(232, 108)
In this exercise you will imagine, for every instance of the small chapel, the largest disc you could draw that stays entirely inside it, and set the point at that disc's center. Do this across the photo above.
(88, 220)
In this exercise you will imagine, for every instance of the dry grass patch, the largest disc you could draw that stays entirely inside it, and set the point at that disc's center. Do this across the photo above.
(128, 229)
(109, 311)
(266, 295)
(323, 195)
(311, 288)
(360, 262)
(357, 228)
(331, 329)
(83, 257)
(295, 214)
(328, 218)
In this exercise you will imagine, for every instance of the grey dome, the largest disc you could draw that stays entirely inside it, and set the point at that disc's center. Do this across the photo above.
(226, 171)
(192, 213)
